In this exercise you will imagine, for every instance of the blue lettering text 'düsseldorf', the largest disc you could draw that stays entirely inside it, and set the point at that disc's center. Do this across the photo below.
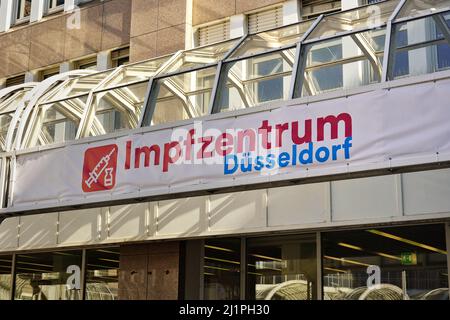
(247, 162)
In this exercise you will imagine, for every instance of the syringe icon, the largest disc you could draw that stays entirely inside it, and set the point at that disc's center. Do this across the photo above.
(95, 174)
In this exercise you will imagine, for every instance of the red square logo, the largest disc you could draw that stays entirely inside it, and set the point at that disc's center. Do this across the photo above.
(99, 169)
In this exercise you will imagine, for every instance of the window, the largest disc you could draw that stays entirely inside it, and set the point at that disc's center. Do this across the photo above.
(314, 8)
(270, 89)
(102, 274)
(120, 57)
(409, 262)
(14, 81)
(57, 128)
(254, 80)
(213, 33)
(119, 108)
(347, 61)
(22, 10)
(89, 63)
(282, 268)
(183, 96)
(54, 5)
(47, 73)
(265, 20)
(251, 76)
(421, 46)
(5, 277)
(330, 76)
(222, 264)
(5, 120)
(45, 276)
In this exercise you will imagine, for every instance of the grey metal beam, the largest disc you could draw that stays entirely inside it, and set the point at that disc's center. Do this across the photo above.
(212, 103)
(319, 266)
(388, 52)
(83, 275)
(369, 52)
(243, 269)
(298, 56)
(12, 291)
(447, 237)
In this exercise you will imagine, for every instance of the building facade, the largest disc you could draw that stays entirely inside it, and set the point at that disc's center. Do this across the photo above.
(338, 188)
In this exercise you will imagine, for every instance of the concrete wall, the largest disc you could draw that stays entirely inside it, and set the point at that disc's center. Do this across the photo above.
(384, 199)
(205, 11)
(157, 28)
(103, 25)
(151, 27)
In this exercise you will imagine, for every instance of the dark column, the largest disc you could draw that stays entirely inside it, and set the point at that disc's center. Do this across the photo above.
(193, 280)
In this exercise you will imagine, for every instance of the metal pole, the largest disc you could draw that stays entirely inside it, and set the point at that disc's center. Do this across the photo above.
(298, 56)
(12, 291)
(319, 266)
(404, 285)
(447, 236)
(243, 271)
(83, 275)
(388, 53)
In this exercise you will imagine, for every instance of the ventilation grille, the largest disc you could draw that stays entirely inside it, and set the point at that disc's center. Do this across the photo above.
(314, 8)
(265, 20)
(213, 33)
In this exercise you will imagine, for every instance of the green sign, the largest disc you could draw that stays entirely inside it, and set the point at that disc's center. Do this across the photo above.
(409, 258)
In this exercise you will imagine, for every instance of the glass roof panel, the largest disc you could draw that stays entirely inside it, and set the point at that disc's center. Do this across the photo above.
(368, 17)
(201, 56)
(272, 39)
(415, 8)
(76, 86)
(183, 96)
(136, 72)
(9, 104)
(59, 121)
(5, 120)
(255, 80)
(118, 108)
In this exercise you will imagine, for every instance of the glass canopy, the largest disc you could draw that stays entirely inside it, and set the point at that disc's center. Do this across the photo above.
(415, 8)
(363, 18)
(272, 39)
(367, 45)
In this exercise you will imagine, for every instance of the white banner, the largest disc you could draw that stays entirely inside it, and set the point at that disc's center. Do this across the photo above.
(380, 129)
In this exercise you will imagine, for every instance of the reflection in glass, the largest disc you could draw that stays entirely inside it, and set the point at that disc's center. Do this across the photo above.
(75, 87)
(282, 268)
(342, 63)
(8, 106)
(421, 46)
(5, 277)
(44, 276)
(131, 73)
(412, 262)
(118, 109)
(5, 120)
(370, 17)
(414, 8)
(102, 274)
(272, 39)
(201, 56)
(222, 269)
(255, 80)
(59, 121)
(182, 97)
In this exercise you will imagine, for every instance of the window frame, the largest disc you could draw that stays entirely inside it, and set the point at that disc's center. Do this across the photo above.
(51, 6)
(19, 12)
